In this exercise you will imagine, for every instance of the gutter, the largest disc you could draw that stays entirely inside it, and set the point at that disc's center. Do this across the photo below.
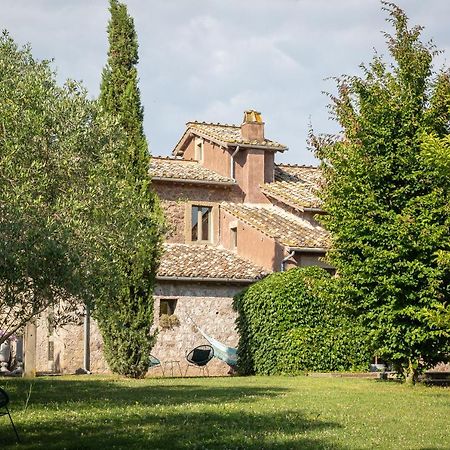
(308, 249)
(316, 210)
(207, 279)
(294, 250)
(285, 259)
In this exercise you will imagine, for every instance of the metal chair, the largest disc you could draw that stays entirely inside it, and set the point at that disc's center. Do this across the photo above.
(4, 400)
(154, 362)
(200, 357)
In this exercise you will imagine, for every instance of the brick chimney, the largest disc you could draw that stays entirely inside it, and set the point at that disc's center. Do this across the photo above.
(254, 166)
(252, 128)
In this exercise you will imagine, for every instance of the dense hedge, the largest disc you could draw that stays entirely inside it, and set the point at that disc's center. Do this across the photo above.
(293, 321)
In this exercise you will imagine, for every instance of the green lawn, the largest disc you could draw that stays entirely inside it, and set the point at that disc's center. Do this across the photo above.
(225, 413)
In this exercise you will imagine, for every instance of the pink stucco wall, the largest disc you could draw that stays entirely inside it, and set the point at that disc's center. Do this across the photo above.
(250, 174)
(251, 243)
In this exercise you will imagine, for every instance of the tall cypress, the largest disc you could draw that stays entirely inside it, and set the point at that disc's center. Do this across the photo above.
(125, 321)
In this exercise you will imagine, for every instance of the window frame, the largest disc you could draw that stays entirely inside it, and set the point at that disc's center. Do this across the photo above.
(212, 222)
(171, 306)
(199, 150)
(233, 238)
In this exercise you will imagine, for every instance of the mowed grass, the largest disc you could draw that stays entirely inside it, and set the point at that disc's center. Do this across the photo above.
(90, 412)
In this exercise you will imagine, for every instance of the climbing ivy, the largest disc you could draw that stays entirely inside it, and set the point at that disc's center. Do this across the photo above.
(296, 321)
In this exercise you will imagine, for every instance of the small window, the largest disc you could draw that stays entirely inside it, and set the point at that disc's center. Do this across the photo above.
(201, 223)
(51, 351)
(167, 306)
(233, 238)
(199, 150)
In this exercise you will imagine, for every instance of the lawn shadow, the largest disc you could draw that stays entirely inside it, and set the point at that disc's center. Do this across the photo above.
(105, 393)
(109, 414)
(179, 430)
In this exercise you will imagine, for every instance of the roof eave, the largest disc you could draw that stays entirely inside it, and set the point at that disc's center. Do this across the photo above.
(178, 150)
(208, 279)
(194, 181)
(307, 249)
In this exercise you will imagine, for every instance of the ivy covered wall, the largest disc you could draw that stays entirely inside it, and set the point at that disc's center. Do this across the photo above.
(296, 321)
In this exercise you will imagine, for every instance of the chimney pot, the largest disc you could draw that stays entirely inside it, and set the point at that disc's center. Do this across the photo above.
(252, 128)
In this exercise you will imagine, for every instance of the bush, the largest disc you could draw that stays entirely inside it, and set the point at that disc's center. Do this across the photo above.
(295, 321)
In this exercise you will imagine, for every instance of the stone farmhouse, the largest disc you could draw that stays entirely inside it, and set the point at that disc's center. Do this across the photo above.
(234, 216)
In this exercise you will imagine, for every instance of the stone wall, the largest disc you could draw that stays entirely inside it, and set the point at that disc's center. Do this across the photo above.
(175, 196)
(62, 350)
(207, 305)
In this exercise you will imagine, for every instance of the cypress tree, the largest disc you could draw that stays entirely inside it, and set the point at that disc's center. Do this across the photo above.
(125, 321)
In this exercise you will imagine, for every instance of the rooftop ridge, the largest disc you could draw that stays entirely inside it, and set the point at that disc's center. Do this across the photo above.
(174, 158)
(229, 125)
(302, 166)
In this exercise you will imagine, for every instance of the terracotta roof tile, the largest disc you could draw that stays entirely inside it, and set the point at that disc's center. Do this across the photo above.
(296, 186)
(228, 134)
(286, 228)
(181, 169)
(206, 261)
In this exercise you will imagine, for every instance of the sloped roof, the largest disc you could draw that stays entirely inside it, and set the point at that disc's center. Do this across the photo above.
(184, 170)
(224, 134)
(296, 186)
(286, 228)
(206, 261)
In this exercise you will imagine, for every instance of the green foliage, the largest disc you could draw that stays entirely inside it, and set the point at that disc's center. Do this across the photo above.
(293, 321)
(167, 321)
(68, 215)
(387, 197)
(126, 318)
(119, 91)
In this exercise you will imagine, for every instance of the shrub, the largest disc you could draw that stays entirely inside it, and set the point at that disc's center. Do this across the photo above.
(295, 321)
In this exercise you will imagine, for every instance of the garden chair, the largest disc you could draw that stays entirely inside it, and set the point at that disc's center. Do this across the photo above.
(200, 357)
(155, 362)
(4, 400)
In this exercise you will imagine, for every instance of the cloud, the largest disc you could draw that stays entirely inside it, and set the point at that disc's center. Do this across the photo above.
(210, 60)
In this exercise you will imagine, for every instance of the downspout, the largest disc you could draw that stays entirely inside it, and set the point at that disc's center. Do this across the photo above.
(232, 171)
(288, 257)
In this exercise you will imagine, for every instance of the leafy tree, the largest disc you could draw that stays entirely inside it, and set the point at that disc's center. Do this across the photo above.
(125, 320)
(388, 200)
(67, 213)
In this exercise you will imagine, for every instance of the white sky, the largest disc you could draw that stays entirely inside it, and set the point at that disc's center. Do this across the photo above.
(212, 59)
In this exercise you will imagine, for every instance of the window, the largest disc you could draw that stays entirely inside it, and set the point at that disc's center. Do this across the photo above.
(201, 223)
(233, 238)
(167, 306)
(51, 351)
(199, 150)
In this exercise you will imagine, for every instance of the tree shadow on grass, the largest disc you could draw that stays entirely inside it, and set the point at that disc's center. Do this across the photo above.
(178, 430)
(106, 393)
(97, 415)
